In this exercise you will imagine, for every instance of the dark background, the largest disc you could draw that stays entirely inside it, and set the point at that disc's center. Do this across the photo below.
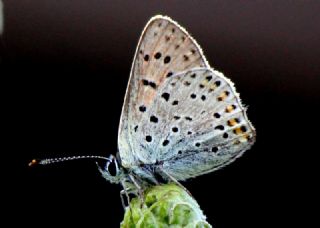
(66, 65)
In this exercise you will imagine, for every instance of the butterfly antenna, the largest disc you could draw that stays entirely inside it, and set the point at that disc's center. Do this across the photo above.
(48, 161)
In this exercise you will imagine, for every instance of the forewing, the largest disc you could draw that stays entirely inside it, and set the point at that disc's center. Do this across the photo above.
(164, 49)
(195, 125)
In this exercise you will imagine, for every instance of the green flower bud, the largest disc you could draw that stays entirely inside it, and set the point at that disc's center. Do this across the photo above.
(164, 206)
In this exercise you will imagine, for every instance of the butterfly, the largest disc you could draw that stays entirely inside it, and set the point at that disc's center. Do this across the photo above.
(180, 118)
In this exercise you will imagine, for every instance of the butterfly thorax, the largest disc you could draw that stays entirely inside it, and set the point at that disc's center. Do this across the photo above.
(137, 176)
(149, 173)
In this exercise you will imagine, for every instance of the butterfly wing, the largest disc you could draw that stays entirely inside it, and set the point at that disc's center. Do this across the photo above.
(164, 49)
(196, 124)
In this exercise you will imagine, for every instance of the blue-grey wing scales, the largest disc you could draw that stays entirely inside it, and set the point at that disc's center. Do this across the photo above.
(164, 49)
(196, 124)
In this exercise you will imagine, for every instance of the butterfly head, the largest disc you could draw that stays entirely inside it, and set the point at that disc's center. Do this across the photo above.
(113, 171)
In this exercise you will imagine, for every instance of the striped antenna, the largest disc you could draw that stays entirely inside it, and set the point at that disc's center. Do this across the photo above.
(48, 161)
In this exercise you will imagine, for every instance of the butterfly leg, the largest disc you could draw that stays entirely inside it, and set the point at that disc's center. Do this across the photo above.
(125, 193)
(175, 181)
(139, 189)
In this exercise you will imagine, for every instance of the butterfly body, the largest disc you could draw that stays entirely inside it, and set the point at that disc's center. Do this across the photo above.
(180, 118)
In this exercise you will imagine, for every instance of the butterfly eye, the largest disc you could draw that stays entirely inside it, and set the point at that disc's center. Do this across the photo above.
(112, 167)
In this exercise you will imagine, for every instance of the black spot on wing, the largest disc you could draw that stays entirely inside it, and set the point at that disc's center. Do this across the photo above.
(219, 127)
(157, 55)
(167, 59)
(165, 142)
(154, 119)
(165, 96)
(169, 74)
(148, 138)
(149, 83)
(175, 102)
(217, 115)
(142, 108)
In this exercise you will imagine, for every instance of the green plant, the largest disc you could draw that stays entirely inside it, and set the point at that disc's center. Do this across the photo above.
(164, 206)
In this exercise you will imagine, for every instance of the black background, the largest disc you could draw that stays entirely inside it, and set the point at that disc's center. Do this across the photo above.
(67, 64)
